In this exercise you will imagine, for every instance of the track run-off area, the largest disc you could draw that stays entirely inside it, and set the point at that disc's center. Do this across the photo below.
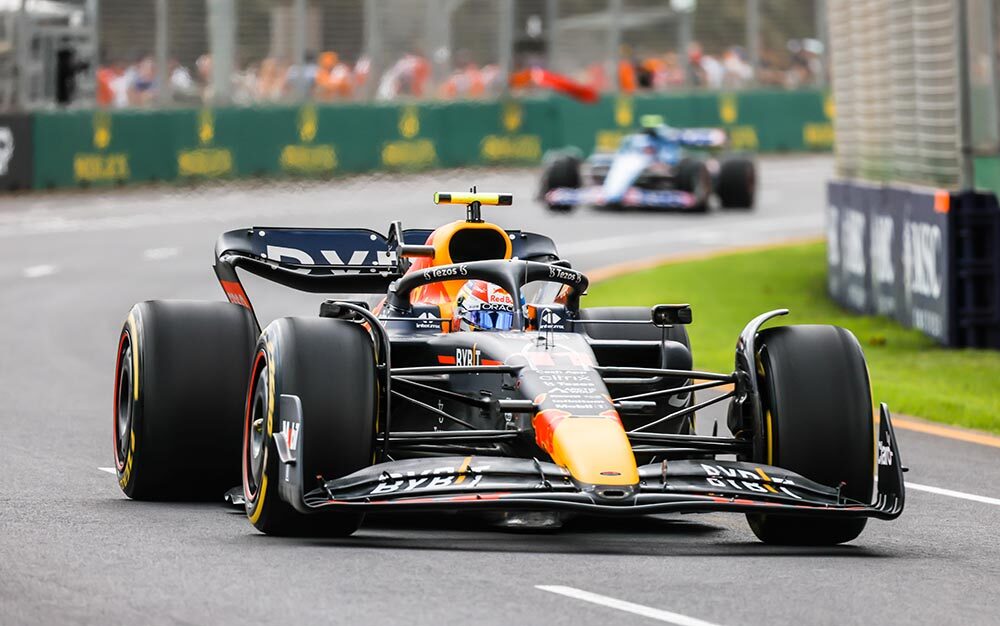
(73, 549)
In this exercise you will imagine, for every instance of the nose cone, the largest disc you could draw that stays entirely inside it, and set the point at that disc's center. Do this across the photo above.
(624, 170)
(595, 450)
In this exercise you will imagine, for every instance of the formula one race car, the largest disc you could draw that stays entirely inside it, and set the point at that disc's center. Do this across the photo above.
(660, 167)
(476, 383)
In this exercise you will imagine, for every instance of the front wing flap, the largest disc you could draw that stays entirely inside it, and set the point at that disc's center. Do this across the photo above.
(483, 482)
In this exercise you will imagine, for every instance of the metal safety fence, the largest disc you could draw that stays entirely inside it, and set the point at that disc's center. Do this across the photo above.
(150, 53)
(913, 228)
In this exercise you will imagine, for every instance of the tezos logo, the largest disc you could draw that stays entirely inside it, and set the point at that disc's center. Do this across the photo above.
(555, 272)
(445, 272)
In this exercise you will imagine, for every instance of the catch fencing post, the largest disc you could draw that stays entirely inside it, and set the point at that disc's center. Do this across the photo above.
(614, 41)
(299, 49)
(222, 44)
(753, 35)
(505, 40)
(163, 87)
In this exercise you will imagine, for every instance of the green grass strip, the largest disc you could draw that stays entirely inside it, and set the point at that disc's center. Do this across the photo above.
(909, 371)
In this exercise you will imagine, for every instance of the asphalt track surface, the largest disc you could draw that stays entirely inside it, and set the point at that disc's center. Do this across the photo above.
(74, 550)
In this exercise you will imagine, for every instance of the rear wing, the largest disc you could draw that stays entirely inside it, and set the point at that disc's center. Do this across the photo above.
(333, 260)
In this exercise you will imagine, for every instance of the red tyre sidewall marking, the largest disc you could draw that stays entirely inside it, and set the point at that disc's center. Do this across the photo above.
(251, 390)
(119, 463)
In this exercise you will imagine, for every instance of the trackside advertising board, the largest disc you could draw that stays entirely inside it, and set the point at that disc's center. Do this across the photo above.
(889, 252)
(92, 148)
(16, 153)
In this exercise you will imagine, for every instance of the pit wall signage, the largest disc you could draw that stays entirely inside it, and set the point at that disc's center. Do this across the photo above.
(889, 252)
(103, 147)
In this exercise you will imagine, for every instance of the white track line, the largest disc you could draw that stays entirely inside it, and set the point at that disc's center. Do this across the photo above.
(37, 271)
(109, 470)
(953, 494)
(621, 605)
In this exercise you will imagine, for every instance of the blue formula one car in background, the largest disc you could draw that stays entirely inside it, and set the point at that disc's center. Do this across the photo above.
(659, 167)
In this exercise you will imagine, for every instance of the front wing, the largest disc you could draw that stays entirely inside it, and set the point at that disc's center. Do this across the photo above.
(634, 197)
(492, 483)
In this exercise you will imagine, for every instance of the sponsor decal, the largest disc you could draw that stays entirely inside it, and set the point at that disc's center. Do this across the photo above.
(922, 244)
(883, 270)
(353, 258)
(446, 272)
(101, 166)
(745, 480)
(728, 109)
(467, 356)
(624, 113)
(205, 160)
(306, 157)
(235, 293)
(578, 391)
(290, 432)
(426, 321)
(563, 274)
(923, 275)
(884, 453)
(852, 242)
(549, 319)
(408, 482)
(817, 135)
(743, 137)
(410, 152)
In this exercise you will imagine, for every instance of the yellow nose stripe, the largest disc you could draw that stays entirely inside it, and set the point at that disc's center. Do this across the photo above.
(595, 450)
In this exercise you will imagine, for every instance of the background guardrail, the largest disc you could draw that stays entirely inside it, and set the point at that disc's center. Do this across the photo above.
(82, 148)
(925, 257)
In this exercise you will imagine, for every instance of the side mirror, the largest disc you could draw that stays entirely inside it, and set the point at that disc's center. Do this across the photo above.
(670, 314)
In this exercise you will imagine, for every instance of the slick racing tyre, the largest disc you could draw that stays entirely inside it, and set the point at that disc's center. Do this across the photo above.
(818, 422)
(676, 354)
(180, 382)
(329, 364)
(737, 183)
(562, 171)
(693, 177)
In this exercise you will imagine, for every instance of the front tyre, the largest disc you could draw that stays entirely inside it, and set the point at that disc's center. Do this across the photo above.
(693, 177)
(329, 365)
(180, 380)
(563, 171)
(737, 183)
(818, 422)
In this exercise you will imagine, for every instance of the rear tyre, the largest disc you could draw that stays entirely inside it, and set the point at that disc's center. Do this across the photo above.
(562, 171)
(180, 380)
(818, 412)
(330, 365)
(737, 183)
(693, 177)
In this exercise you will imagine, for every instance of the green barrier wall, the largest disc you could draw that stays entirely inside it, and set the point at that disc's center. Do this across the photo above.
(84, 148)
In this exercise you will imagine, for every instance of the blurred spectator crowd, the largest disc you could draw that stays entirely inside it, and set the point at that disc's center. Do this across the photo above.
(327, 77)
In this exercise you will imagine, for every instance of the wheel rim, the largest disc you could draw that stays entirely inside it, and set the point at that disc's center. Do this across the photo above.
(256, 435)
(124, 403)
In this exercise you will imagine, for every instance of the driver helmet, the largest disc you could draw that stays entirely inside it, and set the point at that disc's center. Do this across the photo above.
(484, 306)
